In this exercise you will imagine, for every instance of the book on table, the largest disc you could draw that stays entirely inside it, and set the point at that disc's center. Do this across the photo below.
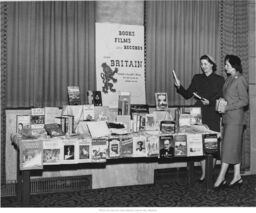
(99, 150)
(166, 146)
(125, 120)
(31, 154)
(139, 146)
(210, 143)
(74, 95)
(152, 145)
(37, 118)
(180, 141)
(150, 122)
(54, 130)
(22, 122)
(98, 129)
(139, 108)
(101, 113)
(88, 112)
(70, 147)
(161, 99)
(84, 150)
(97, 98)
(114, 147)
(194, 145)
(52, 151)
(124, 103)
(126, 146)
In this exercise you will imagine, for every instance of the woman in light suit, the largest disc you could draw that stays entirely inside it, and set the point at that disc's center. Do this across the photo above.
(235, 93)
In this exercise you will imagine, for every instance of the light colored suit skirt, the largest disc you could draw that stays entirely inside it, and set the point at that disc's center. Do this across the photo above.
(232, 144)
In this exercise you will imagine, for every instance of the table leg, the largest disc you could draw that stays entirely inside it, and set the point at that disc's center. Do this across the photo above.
(25, 188)
(190, 167)
(209, 171)
(19, 187)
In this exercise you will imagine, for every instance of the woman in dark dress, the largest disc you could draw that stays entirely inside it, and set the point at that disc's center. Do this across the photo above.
(235, 92)
(208, 85)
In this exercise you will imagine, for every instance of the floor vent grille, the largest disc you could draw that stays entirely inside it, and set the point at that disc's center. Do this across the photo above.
(51, 185)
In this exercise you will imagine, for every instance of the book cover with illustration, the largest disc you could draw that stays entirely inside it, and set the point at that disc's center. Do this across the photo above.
(152, 145)
(210, 143)
(37, 119)
(114, 147)
(52, 151)
(31, 154)
(74, 95)
(89, 94)
(124, 103)
(84, 150)
(101, 113)
(150, 123)
(161, 99)
(190, 116)
(166, 146)
(99, 150)
(194, 145)
(54, 130)
(126, 146)
(22, 122)
(180, 142)
(97, 99)
(139, 146)
(88, 112)
(70, 147)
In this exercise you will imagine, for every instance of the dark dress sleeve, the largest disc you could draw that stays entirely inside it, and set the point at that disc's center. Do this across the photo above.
(188, 93)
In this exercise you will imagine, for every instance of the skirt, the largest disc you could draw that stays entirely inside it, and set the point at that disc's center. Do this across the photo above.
(232, 144)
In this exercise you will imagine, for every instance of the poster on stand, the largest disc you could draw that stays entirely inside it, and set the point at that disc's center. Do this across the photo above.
(120, 62)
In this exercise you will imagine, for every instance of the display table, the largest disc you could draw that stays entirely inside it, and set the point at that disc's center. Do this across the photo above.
(23, 186)
(23, 177)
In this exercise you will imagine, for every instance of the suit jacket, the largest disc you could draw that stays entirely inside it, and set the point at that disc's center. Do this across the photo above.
(235, 92)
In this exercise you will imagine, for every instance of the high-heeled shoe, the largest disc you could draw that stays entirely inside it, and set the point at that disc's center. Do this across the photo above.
(238, 184)
(201, 180)
(222, 185)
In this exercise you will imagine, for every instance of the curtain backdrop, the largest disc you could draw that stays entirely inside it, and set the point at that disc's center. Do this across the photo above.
(3, 68)
(177, 34)
(233, 30)
(50, 46)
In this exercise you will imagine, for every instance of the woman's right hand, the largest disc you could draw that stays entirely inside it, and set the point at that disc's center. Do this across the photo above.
(177, 83)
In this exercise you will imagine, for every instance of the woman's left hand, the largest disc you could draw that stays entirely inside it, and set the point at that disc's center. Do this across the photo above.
(205, 101)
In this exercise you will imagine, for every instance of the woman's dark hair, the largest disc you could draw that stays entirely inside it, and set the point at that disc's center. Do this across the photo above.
(206, 57)
(235, 62)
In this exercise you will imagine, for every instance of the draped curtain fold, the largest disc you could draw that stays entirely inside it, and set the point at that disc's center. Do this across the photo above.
(50, 46)
(3, 68)
(177, 34)
(234, 36)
